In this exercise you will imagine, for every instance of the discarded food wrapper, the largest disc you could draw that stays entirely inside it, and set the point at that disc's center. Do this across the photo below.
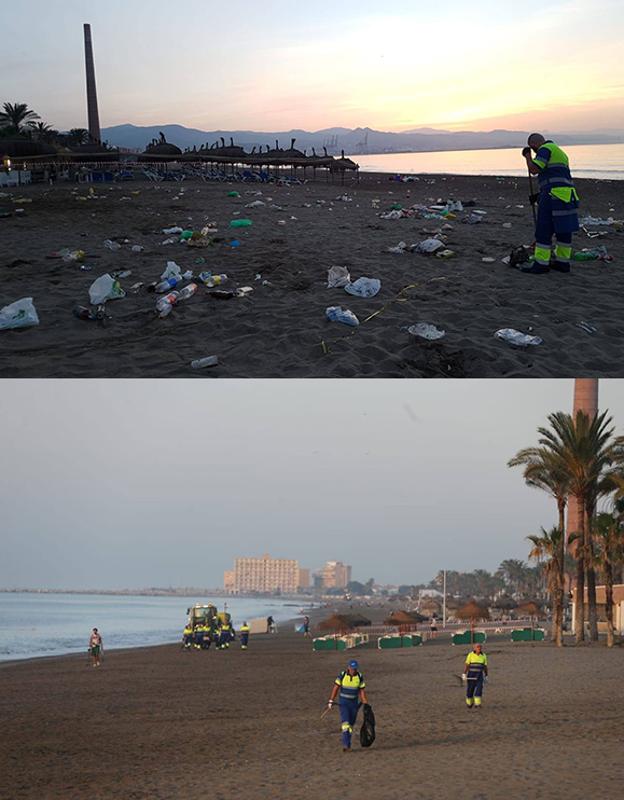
(243, 291)
(424, 330)
(72, 255)
(338, 314)
(201, 363)
(105, 288)
(364, 287)
(20, 314)
(255, 204)
(518, 339)
(338, 277)
(137, 248)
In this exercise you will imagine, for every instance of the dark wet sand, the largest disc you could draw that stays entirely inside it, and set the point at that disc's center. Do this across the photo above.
(277, 331)
(158, 723)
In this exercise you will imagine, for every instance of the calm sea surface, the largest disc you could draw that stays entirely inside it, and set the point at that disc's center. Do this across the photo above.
(605, 161)
(53, 624)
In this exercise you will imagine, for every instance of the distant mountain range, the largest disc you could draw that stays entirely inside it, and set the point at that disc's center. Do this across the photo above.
(352, 141)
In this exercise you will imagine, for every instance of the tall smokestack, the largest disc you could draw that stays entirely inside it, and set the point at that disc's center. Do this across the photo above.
(92, 104)
(585, 399)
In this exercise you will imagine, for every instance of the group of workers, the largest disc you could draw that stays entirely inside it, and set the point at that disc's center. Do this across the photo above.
(349, 690)
(202, 635)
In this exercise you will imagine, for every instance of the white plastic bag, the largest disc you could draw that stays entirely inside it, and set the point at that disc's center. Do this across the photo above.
(429, 246)
(364, 287)
(105, 288)
(20, 314)
(337, 277)
(172, 270)
(518, 339)
(426, 331)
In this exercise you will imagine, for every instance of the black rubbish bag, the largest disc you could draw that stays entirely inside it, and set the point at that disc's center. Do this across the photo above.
(367, 730)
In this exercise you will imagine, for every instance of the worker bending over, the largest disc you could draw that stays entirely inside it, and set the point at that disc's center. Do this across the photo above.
(558, 202)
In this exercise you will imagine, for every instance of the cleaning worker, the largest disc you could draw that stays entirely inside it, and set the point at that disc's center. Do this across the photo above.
(187, 636)
(475, 673)
(244, 635)
(558, 202)
(349, 687)
(225, 634)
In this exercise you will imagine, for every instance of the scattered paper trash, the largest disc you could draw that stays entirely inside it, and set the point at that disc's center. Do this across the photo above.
(105, 288)
(518, 339)
(338, 314)
(20, 314)
(424, 330)
(364, 287)
(243, 291)
(338, 277)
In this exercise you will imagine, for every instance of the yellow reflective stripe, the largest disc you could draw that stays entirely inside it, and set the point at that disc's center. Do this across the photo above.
(539, 163)
(563, 252)
(564, 193)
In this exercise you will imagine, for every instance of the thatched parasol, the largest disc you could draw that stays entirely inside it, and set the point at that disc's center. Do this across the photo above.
(343, 622)
(401, 617)
(429, 605)
(160, 150)
(343, 164)
(93, 151)
(529, 608)
(472, 612)
(22, 147)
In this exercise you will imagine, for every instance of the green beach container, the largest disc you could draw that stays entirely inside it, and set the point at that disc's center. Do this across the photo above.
(527, 635)
(478, 637)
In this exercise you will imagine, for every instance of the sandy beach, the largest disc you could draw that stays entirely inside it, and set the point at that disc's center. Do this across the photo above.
(159, 723)
(278, 329)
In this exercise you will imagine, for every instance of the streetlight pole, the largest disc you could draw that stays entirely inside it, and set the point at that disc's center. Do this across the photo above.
(444, 601)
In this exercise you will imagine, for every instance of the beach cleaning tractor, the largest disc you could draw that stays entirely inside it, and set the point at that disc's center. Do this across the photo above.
(204, 622)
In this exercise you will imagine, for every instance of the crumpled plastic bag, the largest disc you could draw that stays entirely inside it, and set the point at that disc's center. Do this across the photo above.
(20, 314)
(338, 277)
(426, 331)
(518, 339)
(105, 288)
(364, 287)
(339, 314)
(400, 248)
(175, 229)
(172, 270)
(429, 246)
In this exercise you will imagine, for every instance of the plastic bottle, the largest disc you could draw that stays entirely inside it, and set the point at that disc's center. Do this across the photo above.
(166, 303)
(187, 292)
(209, 361)
(166, 285)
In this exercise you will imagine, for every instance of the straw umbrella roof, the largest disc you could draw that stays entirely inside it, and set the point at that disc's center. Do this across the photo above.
(401, 617)
(161, 147)
(343, 163)
(472, 611)
(343, 622)
(21, 147)
(529, 608)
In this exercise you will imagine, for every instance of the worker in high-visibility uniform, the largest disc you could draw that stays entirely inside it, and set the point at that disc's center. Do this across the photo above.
(187, 636)
(225, 634)
(198, 636)
(475, 673)
(558, 203)
(349, 687)
(244, 635)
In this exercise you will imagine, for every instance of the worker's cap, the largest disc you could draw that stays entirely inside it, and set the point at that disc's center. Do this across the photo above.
(353, 664)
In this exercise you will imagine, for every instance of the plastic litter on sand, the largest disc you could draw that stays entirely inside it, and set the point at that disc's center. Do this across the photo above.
(202, 363)
(20, 314)
(338, 277)
(364, 287)
(424, 330)
(338, 314)
(518, 339)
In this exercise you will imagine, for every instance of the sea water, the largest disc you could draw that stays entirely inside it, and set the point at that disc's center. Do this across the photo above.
(33, 624)
(603, 161)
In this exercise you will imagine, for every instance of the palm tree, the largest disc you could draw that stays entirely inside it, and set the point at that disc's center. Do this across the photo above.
(586, 449)
(542, 470)
(16, 116)
(513, 573)
(78, 136)
(609, 539)
(43, 132)
(548, 546)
